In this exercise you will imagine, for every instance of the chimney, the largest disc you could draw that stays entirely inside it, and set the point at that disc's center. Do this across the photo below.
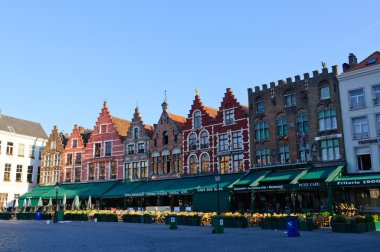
(352, 60)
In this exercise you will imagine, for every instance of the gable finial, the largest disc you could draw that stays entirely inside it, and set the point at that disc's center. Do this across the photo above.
(165, 103)
(196, 91)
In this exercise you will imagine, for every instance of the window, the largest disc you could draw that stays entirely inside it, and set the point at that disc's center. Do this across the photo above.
(141, 147)
(68, 174)
(282, 127)
(283, 154)
(176, 162)
(176, 138)
(304, 152)
(205, 163)
(3, 199)
(376, 95)
(155, 142)
(136, 133)
(108, 149)
(69, 159)
(135, 170)
(378, 124)
(9, 148)
(78, 171)
(223, 142)
(38, 174)
(143, 167)
(53, 145)
(290, 100)
(302, 123)
(237, 162)
(237, 141)
(7, 172)
(75, 143)
(193, 163)
(327, 120)
(103, 129)
(224, 164)
(166, 164)
(40, 153)
(260, 107)
(21, 150)
(131, 149)
(262, 157)
(330, 149)
(192, 141)
(18, 173)
(29, 176)
(204, 140)
(363, 159)
(165, 138)
(360, 127)
(229, 117)
(197, 120)
(155, 165)
(325, 93)
(57, 160)
(98, 150)
(113, 170)
(127, 172)
(261, 131)
(91, 171)
(31, 151)
(102, 171)
(78, 158)
(356, 99)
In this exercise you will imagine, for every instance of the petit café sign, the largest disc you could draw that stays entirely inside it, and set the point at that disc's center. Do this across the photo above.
(314, 184)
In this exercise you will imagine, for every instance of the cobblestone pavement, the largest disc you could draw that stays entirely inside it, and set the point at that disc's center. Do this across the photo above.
(89, 236)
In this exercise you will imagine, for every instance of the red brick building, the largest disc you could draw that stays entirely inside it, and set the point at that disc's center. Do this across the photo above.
(74, 154)
(216, 140)
(104, 152)
(166, 145)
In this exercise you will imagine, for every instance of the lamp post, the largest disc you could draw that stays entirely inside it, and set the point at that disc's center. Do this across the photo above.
(217, 180)
(56, 203)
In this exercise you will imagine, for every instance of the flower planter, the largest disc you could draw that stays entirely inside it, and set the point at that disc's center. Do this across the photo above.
(280, 225)
(147, 219)
(359, 228)
(5, 216)
(305, 226)
(341, 228)
(267, 224)
(377, 225)
(106, 217)
(370, 226)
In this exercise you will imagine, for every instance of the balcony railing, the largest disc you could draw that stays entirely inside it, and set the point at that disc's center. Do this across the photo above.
(193, 147)
(141, 151)
(376, 101)
(204, 146)
(130, 152)
(357, 105)
(361, 135)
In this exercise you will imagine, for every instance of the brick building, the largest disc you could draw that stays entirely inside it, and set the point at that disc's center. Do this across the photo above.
(52, 156)
(216, 140)
(104, 152)
(166, 145)
(74, 154)
(137, 149)
(296, 130)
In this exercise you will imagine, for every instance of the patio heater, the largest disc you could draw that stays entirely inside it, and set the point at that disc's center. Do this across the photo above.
(56, 203)
(217, 180)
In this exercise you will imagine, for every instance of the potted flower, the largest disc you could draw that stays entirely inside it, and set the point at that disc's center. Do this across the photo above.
(377, 222)
(370, 223)
(358, 225)
(340, 224)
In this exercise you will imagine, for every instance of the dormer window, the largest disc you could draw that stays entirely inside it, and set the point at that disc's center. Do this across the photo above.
(197, 120)
(136, 133)
(53, 145)
(229, 117)
(165, 138)
(103, 129)
(75, 143)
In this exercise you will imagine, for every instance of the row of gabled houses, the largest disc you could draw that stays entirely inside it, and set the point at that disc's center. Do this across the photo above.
(300, 144)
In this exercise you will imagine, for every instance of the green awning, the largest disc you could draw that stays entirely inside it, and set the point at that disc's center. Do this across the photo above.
(186, 185)
(64, 189)
(247, 181)
(97, 189)
(357, 180)
(286, 175)
(121, 189)
(318, 173)
(225, 181)
(33, 201)
(36, 192)
(150, 188)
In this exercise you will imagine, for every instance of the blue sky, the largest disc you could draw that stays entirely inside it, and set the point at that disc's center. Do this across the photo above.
(60, 59)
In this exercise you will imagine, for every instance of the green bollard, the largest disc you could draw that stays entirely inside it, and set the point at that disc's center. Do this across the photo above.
(173, 222)
(218, 224)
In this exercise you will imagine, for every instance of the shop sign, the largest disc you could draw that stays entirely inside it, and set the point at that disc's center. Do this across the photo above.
(310, 184)
(242, 188)
(209, 189)
(269, 187)
(358, 182)
(179, 192)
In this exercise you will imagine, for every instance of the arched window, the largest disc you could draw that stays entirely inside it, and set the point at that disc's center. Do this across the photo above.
(192, 141)
(205, 163)
(197, 119)
(165, 138)
(136, 133)
(193, 164)
(204, 140)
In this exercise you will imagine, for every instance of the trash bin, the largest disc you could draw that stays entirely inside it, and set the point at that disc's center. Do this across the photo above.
(173, 222)
(58, 216)
(292, 226)
(38, 215)
(218, 224)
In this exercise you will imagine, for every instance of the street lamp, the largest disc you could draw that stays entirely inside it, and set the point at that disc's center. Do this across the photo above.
(217, 180)
(56, 203)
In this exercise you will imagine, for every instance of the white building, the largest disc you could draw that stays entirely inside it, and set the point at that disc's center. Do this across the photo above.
(360, 101)
(21, 143)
